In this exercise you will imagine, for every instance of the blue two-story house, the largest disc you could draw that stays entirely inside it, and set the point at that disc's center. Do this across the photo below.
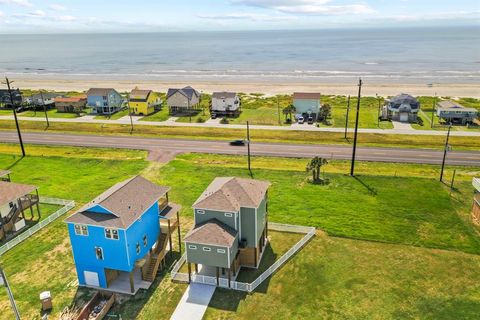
(104, 100)
(118, 240)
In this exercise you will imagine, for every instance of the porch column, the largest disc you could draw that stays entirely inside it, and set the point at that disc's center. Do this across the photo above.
(179, 237)
(255, 256)
(234, 266)
(196, 268)
(20, 207)
(218, 276)
(189, 272)
(170, 238)
(132, 286)
(38, 207)
(229, 277)
(266, 226)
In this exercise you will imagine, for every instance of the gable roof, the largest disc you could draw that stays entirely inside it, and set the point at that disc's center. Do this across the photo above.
(3, 173)
(10, 191)
(99, 91)
(137, 94)
(231, 193)
(188, 92)
(223, 95)
(127, 201)
(448, 104)
(306, 95)
(212, 232)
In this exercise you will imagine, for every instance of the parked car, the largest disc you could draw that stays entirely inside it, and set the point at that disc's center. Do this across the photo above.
(301, 120)
(237, 143)
(214, 116)
(310, 120)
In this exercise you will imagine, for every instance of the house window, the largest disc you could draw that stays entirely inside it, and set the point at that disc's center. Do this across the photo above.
(221, 250)
(81, 230)
(145, 241)
(207, 249)
(191, 246)
(228, 214)
(99, 253)
(201, 211)
(137, 248)
(111, 234)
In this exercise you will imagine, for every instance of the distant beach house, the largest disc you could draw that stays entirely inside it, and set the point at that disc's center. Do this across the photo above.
(307, 104)
(230, 231)
(15, 198)
(41, 99)
(119, 239)
(104, 100)
(5, 101)
(184, 100)
(143, 102)
(476, 201)
(403, 108)
(225, 103)
(452, 112)
(71, 104)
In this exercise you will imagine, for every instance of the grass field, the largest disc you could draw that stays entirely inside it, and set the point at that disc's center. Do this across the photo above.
(115, 116)
(161, 115)
(51, 114)
(303, 137)
(401, 273)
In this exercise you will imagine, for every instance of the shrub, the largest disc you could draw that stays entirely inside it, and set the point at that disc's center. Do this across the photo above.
(200, 120)
(224, 121)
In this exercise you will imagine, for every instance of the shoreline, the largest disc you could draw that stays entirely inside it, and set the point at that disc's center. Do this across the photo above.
(370, 88)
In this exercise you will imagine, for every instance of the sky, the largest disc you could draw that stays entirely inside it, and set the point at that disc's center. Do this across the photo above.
(67, 16)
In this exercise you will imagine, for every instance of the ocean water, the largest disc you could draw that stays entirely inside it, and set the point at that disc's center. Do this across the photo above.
(423, 55)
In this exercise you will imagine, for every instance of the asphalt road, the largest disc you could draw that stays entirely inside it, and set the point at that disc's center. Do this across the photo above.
(428, 156)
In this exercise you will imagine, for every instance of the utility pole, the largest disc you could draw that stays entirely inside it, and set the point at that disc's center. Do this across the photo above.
(352, 169)
(3, 278)
(378, 114)
(44, 108)
(346, 118)
(131, 120)
(15, 116)
(278, 108)
(445, 150)
(248, 147)
(433, 109)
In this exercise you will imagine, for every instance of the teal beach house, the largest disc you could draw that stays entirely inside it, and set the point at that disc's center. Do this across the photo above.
(307, 104)
(105, 101)
(118, 239)
(230, 231)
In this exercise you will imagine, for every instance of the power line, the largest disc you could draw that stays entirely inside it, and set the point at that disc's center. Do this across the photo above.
(15, 116)
(346, 118)
(352, 169)
(445, 150)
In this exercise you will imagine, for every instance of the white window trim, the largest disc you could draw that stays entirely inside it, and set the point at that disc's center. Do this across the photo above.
(81, 233)
(201, 211)
(101, 250)
(192, 247)
(207, 249)
(111, 234)
(228, 214)
(221, 251)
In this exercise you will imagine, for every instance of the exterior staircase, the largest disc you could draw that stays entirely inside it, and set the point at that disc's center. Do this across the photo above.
(157, 257)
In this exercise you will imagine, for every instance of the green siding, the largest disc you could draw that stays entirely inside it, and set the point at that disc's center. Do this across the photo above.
(220, 216)
(261, 213)
(248, 226)
(210, 258)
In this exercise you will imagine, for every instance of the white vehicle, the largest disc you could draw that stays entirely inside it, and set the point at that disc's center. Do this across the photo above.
(300, 120)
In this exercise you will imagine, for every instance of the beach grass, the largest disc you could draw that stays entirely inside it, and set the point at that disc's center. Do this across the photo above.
(426, 218)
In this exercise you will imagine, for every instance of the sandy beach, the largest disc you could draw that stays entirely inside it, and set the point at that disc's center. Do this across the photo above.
(269, 88)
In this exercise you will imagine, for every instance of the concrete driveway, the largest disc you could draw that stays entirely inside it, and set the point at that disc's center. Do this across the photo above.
(194, 302)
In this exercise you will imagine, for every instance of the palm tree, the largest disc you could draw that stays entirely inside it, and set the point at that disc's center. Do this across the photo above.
(314, 166)
(289, 111)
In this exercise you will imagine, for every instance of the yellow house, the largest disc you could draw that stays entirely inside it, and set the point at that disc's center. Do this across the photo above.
(143, 102)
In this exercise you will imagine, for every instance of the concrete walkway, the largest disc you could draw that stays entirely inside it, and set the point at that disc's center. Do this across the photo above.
(397, 125)
(194, 302)
(171, 123)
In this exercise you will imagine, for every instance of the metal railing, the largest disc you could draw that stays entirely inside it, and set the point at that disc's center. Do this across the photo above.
(67, 205)
(243, 286)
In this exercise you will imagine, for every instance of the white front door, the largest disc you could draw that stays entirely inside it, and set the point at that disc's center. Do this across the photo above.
(91, 278)
(404, 117)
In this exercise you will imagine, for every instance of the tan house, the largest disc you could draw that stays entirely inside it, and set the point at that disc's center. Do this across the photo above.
(476, 201)
(71, 104)
(186, 100)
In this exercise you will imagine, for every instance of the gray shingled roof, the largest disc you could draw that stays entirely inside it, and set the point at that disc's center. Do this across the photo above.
(10, 191)
(223, 95)
(448, 105)
(231, 193)
(99, 91)
(187, 92)
(212, 232)
(137, 94)
(126, 200)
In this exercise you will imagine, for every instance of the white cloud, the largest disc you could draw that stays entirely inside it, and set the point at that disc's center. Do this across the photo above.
(311, 7)
(57, 7)
(22, 3)
(246, 16)
(65, 18)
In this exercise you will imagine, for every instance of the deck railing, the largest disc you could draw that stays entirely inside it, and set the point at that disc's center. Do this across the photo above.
(243, 286)
(476, 183)
(67, 205)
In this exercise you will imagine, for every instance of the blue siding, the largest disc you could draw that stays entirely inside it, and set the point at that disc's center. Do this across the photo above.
(113, 102)
(305, 106)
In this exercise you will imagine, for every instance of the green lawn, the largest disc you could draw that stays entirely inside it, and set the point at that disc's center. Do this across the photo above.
(51, 114)
(262, 110)
(411, 213)
(161, 115)
(115, 116)
(203, 113)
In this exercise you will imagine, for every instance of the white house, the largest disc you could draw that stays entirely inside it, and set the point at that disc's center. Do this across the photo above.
(225, 103)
